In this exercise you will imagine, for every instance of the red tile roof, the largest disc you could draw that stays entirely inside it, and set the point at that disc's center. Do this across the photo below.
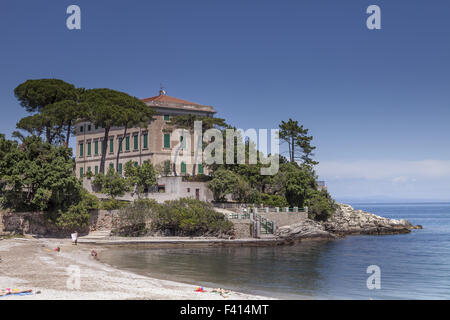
(165, 98)
(171, 102)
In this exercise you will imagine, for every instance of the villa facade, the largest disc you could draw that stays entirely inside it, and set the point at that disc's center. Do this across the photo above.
(152, 143)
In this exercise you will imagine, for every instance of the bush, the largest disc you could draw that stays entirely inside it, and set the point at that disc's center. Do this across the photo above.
(111, 184)
(133, 218)
(189, 217)
(113, 204)
(223, 183)
(272, 200)
(320, 206)
(197, 178)
(77, 217)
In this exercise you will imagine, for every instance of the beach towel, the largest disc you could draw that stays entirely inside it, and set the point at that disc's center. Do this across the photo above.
(15, 292)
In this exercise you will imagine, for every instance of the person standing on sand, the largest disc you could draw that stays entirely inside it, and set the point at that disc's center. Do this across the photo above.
(75, 238)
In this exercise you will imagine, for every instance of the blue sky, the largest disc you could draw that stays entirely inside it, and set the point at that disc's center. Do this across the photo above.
(376, 101)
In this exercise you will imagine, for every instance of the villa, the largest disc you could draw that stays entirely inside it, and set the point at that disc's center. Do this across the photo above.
(153, 143)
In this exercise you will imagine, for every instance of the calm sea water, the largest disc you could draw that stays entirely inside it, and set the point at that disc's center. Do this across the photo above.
(413, 266)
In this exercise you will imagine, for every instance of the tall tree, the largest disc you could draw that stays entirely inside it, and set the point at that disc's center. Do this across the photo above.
(137, 114)
(296, 136)
(188, 121)
(106, 108)
(37, 95)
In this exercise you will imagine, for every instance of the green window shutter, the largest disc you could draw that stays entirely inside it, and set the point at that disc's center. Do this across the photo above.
(96, 148)
(127, 143)
(167, 140)
(96, 170)
(111, 145)
(111, 165)
(120, 144)
(81, 149)
(120, 168)
(81, 172)
(145, 140)
(166, 117)
(89, 148)
(89, 169)
(135, 140)
(183, 143)
(135, 164)
(89, 127)
(200, 168)
(96, 126)
(183, 167)
(81, 128)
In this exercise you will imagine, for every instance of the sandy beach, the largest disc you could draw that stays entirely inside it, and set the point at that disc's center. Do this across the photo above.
(32, 264)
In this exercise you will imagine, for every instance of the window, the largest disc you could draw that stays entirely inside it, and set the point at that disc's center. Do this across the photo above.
(183, 143)
(120, 144)
(183, 167)
(96, 148)
(135, 164)
(96, 126)
(89, 127)
(81, 149)
(89, 149)
(111, 165)
(127, 143)
(167, 140)
(111, 145)
(120, 168)
(200, 168)
(81, 128)
(96, 170)
(81, 172)
(135, 142)
(89, 169)
(188, 190)
(166, 117)
(145, 140)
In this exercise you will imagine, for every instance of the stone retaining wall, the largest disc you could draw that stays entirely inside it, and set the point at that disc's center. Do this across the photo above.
(242, 228)
(284, 218)
(36, 223)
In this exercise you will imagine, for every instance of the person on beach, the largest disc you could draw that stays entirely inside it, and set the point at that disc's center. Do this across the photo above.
(75, 238)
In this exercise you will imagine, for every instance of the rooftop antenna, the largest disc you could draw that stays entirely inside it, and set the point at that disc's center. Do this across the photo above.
(162, 92)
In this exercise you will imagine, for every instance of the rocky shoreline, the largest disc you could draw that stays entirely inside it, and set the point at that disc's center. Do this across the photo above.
(345, 221)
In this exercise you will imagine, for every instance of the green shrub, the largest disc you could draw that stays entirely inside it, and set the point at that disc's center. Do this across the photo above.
(133, 218)
(111, 184)
(272, 200)
(76, 218)
(189, 217)
(113, 204)
(320, 205)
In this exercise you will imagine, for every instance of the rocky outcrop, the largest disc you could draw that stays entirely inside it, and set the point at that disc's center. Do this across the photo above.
(347, 220)
(306, 229)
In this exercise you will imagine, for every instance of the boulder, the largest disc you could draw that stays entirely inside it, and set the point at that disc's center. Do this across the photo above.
(347, 220)
(306, 229)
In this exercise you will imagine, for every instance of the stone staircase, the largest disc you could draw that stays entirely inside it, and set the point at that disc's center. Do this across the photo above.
(97, 235)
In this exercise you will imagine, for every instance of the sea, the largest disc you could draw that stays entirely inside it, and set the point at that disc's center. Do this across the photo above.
(406, 266)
